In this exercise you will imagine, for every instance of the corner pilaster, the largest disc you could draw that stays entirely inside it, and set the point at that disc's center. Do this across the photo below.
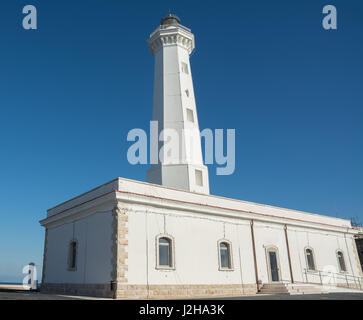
(45, 255)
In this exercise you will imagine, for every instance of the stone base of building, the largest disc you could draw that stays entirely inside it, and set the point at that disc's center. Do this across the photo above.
(125, 291)
(356, 286)
(183, 291)
(79, 289)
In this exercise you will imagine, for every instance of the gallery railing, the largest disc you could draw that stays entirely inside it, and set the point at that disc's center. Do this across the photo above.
(168, 27)
(176, 25)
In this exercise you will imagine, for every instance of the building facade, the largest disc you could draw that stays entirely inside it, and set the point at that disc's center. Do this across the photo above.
(171, 238)
(129, 239)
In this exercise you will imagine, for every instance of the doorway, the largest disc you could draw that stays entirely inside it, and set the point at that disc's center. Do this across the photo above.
(273, 264)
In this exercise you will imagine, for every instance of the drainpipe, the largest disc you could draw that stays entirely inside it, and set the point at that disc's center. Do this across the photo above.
(288, 253)
(254, 256)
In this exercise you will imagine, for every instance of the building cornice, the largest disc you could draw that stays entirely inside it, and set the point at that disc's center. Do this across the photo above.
(196, 204)
(81, 209)
(181, 205)
(171, 36)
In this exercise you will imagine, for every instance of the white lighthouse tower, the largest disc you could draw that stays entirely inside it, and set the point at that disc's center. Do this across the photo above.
(180, 164)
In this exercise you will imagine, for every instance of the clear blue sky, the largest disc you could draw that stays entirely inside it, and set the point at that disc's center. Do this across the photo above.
(71, 90)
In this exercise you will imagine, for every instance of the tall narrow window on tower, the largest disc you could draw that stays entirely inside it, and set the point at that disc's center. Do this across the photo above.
(199, 177)
(185, 68)
(190, 115)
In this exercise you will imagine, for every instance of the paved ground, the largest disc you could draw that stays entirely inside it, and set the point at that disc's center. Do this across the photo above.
(330, 296)
(27, 295)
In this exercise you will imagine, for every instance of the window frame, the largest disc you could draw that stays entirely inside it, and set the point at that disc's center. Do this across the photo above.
(70, 255)
(307, 260)
(230, 255)
(196, 172)
(190, 115)
(171, 252)
(339, 265)
(184, 66)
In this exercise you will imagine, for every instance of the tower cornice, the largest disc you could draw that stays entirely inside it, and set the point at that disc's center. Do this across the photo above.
(169, 36)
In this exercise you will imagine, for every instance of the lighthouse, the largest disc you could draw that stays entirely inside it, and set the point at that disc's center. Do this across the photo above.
(170, 238)
(179, 163)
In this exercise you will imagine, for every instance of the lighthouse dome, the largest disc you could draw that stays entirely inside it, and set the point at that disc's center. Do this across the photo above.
(170, 19)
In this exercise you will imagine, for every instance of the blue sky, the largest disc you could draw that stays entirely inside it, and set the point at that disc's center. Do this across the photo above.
(71, 90)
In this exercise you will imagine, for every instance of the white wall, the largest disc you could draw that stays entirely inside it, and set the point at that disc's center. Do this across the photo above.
(324, 244)
(196, 253)
(93, 234)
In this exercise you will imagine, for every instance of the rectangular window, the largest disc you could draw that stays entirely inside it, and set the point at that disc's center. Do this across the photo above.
(198, 178)
(341, 262)
(190, 115)
(184, 68)
(164, 256)
(224, 259)
(72, 260)
(310, 259)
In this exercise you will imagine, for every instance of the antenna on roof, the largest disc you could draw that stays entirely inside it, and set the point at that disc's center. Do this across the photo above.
(355, 222)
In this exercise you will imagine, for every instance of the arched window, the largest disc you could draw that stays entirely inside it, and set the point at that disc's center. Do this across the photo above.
(165, 254)
(310, 261)
(225, 257)
(72, 255)
(341, 261)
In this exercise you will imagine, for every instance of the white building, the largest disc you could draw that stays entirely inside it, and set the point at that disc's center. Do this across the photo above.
(130, 239)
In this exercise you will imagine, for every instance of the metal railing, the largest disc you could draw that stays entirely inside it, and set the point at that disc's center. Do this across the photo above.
(161, 27)
(342, 279)
(175, 25)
